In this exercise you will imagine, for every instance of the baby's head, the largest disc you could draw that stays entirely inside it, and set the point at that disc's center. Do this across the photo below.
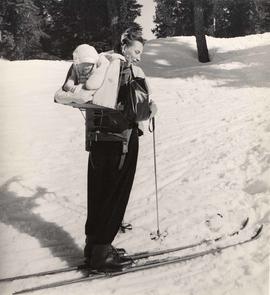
(85, 57)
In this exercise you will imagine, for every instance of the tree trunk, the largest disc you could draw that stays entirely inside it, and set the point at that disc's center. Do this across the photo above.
(202, 49)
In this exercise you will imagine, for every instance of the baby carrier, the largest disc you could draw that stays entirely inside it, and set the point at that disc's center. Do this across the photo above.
(105, 124)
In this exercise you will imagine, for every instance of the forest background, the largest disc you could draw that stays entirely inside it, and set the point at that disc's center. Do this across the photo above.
(51, 29)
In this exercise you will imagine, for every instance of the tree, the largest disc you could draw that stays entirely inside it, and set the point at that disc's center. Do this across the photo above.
(21, 28)
(78, 21)
(222, 18)
(200, 31)
(176, 18)
(96, 22)
(113, 19)
(31, 27)
(129, 10)
(121, 15)
(263, 16)
(165, 18)
(234, 18)
(185, 18)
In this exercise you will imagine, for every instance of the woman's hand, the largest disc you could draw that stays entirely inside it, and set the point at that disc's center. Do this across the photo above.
(153, 109)
(117, 56)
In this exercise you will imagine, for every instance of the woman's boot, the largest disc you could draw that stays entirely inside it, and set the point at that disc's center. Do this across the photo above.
(106, 258)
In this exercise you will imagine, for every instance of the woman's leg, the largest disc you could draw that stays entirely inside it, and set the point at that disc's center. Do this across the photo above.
(102, 172)
(109, 189)
(115, 206)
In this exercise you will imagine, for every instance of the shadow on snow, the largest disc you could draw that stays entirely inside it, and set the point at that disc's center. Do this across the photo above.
(172, 58)
(17, 211)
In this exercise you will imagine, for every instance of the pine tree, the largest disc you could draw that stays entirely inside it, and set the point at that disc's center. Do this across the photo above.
(166, 17)
(176, 18)
(113, 20)
(241, 18)
(185, 18)
(78, 21)
(6, 38)
(96, 22)
(129, 10)
(235, 18)
(122, 15)
(263, 16)
(21, 29)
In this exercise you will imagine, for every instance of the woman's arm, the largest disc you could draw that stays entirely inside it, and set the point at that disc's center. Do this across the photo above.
(138, 72)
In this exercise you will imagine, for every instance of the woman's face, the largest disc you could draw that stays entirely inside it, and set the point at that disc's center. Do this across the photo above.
(133, 52)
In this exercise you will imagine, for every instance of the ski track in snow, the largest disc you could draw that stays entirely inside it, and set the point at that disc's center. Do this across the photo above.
(213, 164)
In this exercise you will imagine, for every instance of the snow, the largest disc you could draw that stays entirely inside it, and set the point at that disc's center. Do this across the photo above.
(213, 164)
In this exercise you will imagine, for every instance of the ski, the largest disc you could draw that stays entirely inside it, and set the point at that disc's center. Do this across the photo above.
(135, 256)
(94, 275)
(148, 254)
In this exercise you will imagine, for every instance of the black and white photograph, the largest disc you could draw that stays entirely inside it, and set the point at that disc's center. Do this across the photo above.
(135, 147)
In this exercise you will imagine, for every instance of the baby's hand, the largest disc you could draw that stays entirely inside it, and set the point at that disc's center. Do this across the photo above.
(77, 88)
(72, 89)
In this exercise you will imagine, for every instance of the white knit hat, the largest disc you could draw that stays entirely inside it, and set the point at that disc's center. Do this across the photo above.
(85, 53)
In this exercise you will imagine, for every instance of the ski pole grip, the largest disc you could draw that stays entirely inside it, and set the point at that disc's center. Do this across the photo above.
(153, 123)
(153, 127)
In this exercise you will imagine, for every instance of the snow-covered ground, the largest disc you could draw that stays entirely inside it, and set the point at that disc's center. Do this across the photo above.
(213, 162)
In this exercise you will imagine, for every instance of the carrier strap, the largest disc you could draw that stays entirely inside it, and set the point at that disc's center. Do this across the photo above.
(124, 149)
(132, 72)
(122, 161)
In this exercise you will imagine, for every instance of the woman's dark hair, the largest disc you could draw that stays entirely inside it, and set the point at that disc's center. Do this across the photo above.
(129, 35)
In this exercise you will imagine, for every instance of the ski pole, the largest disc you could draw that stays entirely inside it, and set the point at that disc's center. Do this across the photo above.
(158, 234)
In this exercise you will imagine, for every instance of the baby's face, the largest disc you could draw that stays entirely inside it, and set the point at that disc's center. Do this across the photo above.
(85, 68)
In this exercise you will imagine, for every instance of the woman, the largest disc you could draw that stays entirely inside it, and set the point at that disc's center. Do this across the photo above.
(108, 186)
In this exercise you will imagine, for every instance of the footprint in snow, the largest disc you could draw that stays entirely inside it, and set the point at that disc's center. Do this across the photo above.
(267, 128)
(257, 187)
(215, 222)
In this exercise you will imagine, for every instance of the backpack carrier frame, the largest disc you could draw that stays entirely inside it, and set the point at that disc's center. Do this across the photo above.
(97, 120)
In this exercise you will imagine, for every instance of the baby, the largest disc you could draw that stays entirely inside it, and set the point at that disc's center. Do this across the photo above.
(87, 71)
(92, 78)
